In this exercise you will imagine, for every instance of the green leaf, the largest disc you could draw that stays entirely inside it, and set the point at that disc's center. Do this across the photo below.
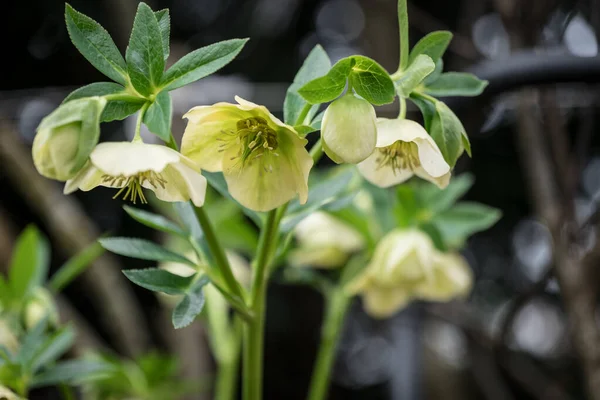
(31, 344)
(164, 25)
(96, 45)
(323, 193)
(29, 263)
(144, 55)
(74, 267)
(371, 81)
(73, 372)
(434, 45)
(154, 221)
(436, 236)
(5, 292)
(54, 347)
(142, 249)
(427, 109)
(316, 64)
(202, 62)
(330, 86)
(159, 280)
(464, 219)
(217, 181)
(304, 130)
(437, 200)
(447, 131)
(437, 72)
(456, 84)
(115, 110)
(407, 208)
(418, 70)
(158, 117)
(186, 311)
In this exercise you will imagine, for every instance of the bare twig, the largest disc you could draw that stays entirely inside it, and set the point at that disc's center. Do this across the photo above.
(73, 231)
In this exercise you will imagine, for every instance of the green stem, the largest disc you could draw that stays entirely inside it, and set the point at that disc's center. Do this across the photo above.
(138, 125)
(402, 114)
(122, 97)
(303, 114)
(66, 392)
(403, 26)
(336, 305)
(317, 151)
(254, 331)
(227, 369)
(425, 96)
(218, 253)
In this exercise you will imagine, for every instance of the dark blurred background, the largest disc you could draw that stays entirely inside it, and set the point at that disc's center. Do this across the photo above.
(510, 341)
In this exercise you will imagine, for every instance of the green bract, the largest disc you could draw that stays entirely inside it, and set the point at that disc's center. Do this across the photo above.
(349, 130)
(66, 137)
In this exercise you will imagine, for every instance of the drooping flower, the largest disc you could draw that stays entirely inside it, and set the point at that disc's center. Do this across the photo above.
(133, 166)
(324, 242)
(349, 130)
(404, 149)
(406, 266)
(264, 161)
(66, 137)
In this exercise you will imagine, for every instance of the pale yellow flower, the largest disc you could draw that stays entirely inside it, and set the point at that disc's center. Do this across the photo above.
(404, 149)
(7, 338)
(264, 161)
(349, 130)
(406, 266)
(324, 242)
(133, 166)
(40, 306)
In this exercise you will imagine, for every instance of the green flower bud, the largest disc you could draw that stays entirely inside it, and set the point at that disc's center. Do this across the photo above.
(40, 306)
(349, 130)
(8, 339)
(66, 137)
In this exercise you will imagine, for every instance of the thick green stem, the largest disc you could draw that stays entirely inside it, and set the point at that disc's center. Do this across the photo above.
(227, 369)
(336, 305)
(317, 151)
(303, 114)
(218, 253)
(403, 26)
(254, 331)
(138, 125)
(402, 114)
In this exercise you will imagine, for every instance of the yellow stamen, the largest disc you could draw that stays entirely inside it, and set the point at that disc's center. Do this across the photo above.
(132, 185)
(399, 156)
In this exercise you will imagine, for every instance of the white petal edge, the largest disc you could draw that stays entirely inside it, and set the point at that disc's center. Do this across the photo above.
(128, 159)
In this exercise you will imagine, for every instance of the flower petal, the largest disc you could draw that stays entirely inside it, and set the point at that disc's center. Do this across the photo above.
(390, 131)
(383, 303)
(128, 159)
(88, 178)
(384, 176)
(270, 180)
(452, 278)
(441, 181)
(182, 184)
(431, 158)
(261, 111)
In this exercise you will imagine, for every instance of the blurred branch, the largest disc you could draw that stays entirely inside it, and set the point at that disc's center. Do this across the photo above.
(7, 240)
(73, 231)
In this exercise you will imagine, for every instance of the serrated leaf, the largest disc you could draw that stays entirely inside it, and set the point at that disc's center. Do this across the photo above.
(190, 306)
(202, 62)
(154, 221)
(418, 70)
(427, 109)
(464, 219)
(330, 86)
(158, 117)
(29, 262)
(96, 45)
(72, 372)
(447, 131)
(316, 64)
(115, 110)
(164, 25)
(437, 200)
(144, 55)
(53, 348)
(434, 45)
(142, 249)
(456, 84)
(371, 81)
(159, 280)
(74, 267)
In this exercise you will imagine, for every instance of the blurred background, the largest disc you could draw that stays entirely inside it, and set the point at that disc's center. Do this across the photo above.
(535, 157)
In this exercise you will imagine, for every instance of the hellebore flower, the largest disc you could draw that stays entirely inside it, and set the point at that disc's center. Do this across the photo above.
(324, 242)
(66, 137)
(404, 149)
(133, 166)
(406, 266)
(38, 307)
(264, 161)
(349, 130)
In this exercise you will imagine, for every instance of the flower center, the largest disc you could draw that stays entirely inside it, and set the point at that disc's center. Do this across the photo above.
(255, 138)
(399, 156)
(131, 186)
